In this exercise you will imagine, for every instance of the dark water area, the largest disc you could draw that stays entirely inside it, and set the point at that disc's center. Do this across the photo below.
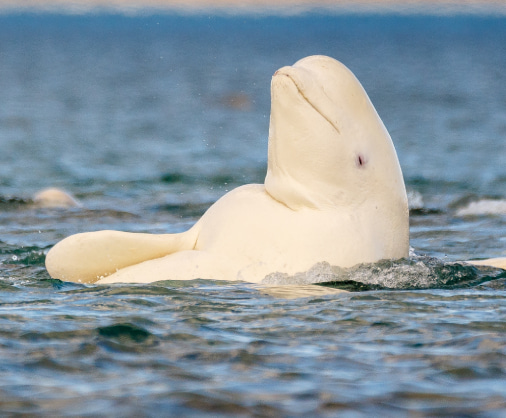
(148, 120)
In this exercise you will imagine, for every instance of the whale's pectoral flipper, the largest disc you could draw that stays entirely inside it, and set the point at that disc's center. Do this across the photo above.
(180, 265)
(90, 256)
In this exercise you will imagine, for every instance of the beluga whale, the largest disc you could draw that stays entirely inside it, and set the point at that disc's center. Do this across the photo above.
(333, 192)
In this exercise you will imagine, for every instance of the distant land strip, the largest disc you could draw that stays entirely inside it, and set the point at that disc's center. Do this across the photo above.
(287, 7)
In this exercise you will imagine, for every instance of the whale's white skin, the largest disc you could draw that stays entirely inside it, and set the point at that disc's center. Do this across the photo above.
(333, 192)
(54, 198)
(499, 262)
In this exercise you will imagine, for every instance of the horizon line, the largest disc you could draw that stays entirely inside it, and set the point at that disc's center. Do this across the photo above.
(255, 7)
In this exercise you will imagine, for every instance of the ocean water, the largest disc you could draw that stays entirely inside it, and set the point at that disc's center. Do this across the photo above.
(148, 120)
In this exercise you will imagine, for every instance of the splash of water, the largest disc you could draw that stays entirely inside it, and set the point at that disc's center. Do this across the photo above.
(415, 272)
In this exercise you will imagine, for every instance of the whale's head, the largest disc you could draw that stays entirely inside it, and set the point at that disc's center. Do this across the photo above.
(327, 145)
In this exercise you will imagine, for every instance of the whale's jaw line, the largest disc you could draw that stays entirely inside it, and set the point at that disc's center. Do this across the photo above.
(284, 73)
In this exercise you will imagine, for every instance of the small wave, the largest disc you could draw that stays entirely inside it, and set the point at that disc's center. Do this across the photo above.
(13, 202)
(417, 206)
(415, 272)
(415, 200)
(483, 207)
(29, 258)
(125, 331)
(125, 337)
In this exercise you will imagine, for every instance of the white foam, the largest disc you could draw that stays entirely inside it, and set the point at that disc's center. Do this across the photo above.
(415, 272)
(484, 207)
(319, 273)
(415, 200)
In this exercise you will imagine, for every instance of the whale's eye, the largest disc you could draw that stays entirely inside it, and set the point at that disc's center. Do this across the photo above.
(361, 161)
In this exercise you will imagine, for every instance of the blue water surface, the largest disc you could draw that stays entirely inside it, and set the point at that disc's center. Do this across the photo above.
(148, 120)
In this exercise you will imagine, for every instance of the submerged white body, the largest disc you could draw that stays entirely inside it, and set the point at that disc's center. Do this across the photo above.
(499, 262)
(333, 192)
(54, 198)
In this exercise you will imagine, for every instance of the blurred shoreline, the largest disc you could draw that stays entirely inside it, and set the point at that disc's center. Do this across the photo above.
(288, 7)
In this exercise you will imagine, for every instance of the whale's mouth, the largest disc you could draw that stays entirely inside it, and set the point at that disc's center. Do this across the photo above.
(298, 85)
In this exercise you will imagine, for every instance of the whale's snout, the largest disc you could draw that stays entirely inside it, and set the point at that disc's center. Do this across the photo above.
(306, 84)
(283, 71)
